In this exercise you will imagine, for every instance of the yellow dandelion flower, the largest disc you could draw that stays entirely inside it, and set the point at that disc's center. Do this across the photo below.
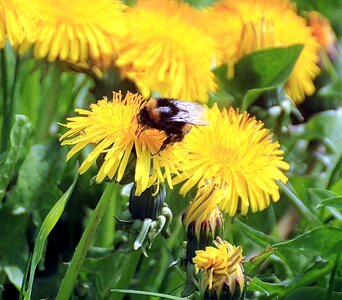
(165, 52)
(322, 31)
(75, 30)
(222, 267)
(16, 23)
(203, 212)
(241, 27)
(112, 127)
(236, 154)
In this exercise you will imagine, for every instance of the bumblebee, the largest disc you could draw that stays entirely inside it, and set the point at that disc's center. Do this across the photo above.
(172, 116)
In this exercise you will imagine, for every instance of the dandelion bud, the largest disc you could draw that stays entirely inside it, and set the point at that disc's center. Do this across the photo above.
(149, 204)
(203, 220)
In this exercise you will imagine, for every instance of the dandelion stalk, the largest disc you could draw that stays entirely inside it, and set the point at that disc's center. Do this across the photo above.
(106, 231)
(48, 108)
(74, 268)
(5, 115)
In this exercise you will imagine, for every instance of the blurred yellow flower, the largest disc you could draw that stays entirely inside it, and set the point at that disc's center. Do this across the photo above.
(236, 154)
(221, 266)
(322, 31)
(241, 27)
(75, 30)
(112, 127)
(165, 52)
(16, 22)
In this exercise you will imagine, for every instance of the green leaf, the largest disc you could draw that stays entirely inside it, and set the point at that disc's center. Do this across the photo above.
(260, 238)
(102, 269)
(321, 194)
(310, 276)
(41, 170)
(13, 245)
(326, 198)
(44, 231)
(332, 91)
(265, 287)
(20, 135)
(159, 295)
(332, 202)
(252, 266)
(326, 126)
(323, 241)
(312, 293)
(260, 71)
(302, 207)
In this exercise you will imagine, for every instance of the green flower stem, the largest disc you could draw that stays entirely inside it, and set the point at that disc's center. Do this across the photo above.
(5, 130)
(106, 232)
(12, 95)
(306, 213)
(48, 104)
(74, 268)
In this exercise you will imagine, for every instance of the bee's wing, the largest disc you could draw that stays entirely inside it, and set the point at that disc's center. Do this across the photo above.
(190, 112)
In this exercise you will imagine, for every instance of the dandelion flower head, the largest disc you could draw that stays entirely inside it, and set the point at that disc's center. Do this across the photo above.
(236, 154)
(164, 51)
(16, 22)
(221, 265)
(241, 27)
(112, 127)
(75, 30)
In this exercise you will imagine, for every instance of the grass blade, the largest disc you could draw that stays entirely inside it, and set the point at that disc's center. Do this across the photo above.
(44, 231)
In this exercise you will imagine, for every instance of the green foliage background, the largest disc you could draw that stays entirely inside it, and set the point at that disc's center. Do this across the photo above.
(42, 219)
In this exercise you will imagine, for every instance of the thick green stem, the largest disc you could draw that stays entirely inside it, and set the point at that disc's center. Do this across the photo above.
(5, 130)
(106, 232)
(74, 268)
(13, 87)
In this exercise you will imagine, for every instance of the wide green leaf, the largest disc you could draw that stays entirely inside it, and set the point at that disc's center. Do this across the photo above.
(20, 135)
(312, 293)
(35, 189)
(319, 269)
(323, 241)
(260, 71)
(13, 245)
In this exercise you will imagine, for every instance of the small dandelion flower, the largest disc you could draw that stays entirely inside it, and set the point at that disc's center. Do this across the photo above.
(236, 154)
(165, 52)
(16, 22)
(112, 127)
(241, 27)
(222, 268)
(75, 30)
